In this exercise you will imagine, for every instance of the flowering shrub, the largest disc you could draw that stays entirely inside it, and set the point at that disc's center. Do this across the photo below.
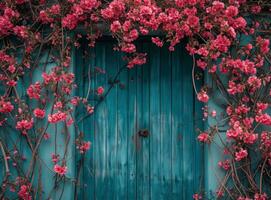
(228, 39)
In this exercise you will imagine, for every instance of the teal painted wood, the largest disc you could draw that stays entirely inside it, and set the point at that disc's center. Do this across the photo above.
(158, 97)
(155, 159)
(177, 123)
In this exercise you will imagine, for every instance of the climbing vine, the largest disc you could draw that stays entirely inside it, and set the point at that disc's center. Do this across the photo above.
(229, 41)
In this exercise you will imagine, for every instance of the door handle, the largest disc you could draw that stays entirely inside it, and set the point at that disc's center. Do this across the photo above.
(143, 133)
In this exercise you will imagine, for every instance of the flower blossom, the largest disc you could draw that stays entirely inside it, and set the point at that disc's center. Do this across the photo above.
(260, 196)
(61, 170)
(203, 137)
(202, 96)
(24, 192)
(197, 196)
(34, 90)
(57, 117)
(5, 106)
(84, 147)
(100, 90)
(241, 154)
(39, 113)
(224, 164)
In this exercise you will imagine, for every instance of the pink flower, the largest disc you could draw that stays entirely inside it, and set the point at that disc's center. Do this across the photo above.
(12, 83)
(241, 154)
(100, 90)
(57, 117)
(157, 41)
(197, 196)
(75, 101)
(128, 48)
(254, 82)
(90, 109)
(213, 113)
(231, 11)
(115, 26)
(11, 69)
(55, 158)
(235, 88)
(24, 192)
(224, 164)
(256, 9)
(24, 125)
(20, 2)
(250, 138)
(264, 119)
(61, 170)
(5, 106)
(55, 9)
(240, 23)
(203, 137)
(137, 60)
(221, 43)
(69, 122)
(203, 51)
(260, 196)
(34, 90)
(21, 31)
(39, 113)
(70, 21)
(84, 147)
(58, 105)
(201, 64)
(46, 136)
(44, 17)
(263, 44)
(5, 25)
(192, 21)
(202, 96)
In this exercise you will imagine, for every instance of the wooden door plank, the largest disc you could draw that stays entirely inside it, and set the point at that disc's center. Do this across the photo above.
(165, 106)
(198, 125)
(139, 124)
(142, 124)
(131, 134)
(188, 134)
(122, 142)
(112, 136)
(155, 129)
(88, 181)
(145, 124)
(101, 128)
(177, 123)
(81, 83)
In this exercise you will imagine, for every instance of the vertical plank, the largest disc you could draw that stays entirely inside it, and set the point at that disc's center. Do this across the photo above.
(145, 110)
(131, 151)
(101, 129)
(199, 148)
(165, 112)
(177, 123)
(84, 61)
(112, 132)
(89, 130)
(188, 135)
(139, 120)
(142, 124)
(79, 70)
(122, 143)
(155, 146)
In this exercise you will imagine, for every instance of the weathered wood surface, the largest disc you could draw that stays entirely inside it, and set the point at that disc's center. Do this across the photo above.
(158, 97)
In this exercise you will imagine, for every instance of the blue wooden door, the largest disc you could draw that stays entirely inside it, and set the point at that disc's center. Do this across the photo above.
(156, 99)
